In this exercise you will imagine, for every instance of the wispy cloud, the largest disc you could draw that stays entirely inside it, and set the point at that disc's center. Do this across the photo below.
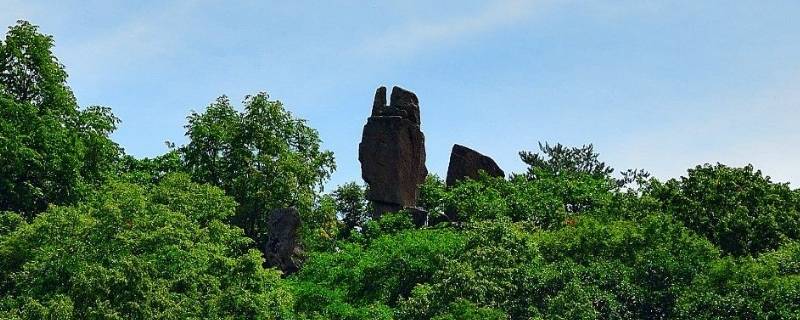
(411, 37)
(136, 40)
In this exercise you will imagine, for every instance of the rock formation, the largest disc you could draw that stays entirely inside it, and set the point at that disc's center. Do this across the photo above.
(283, 248)
(392, 151)
(467, 163)
(419, 216)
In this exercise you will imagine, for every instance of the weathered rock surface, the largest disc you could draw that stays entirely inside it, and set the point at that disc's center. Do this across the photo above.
(467, 163)
(392, 151)
(283, 247)
(407, 101)
(379, 103)
(392, 160)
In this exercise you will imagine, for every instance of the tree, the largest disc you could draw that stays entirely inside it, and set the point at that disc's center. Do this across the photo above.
(739, 209)
(433, 196)
(575, 176)
(150, 170)
(359, 279)
(351, 205)
(560, 160)
(136, 252)
(591, 270)
(52, 152)
(746, 288)
(548, 201)
(263, 157)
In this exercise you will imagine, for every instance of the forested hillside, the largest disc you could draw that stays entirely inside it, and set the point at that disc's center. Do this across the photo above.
(90, 232)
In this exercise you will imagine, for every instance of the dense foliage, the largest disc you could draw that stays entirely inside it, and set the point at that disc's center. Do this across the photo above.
(561, 160)
(263, 157)
(738, 209)
(352, 205)
(87, 232)
(52, 152)
(145, 252)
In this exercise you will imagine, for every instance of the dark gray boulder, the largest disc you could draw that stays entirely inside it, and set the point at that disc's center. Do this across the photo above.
(392, 151)
(407, 101)
(419, 216)
(380, 102)
(392, 159)
(283, 248)
(467, 163)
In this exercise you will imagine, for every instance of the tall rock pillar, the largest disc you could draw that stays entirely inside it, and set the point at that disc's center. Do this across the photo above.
(392, 151)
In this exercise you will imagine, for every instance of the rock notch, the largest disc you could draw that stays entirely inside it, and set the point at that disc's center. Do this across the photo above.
(392, 151)
(283, 248)
(467, 163)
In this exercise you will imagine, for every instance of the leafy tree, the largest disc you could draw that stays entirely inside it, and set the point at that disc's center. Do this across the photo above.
(263, 157)
(576, 176)
(375, 275)
(548, 202)
(10, 221)
(559, 160)
(52, 152)
(643, 265)
(433, 196)
(746, 288)
(739, 209)
(389, 223)
(351, 205)
(481, 273)
(150, 170)
(136, 252)
(465, 310)
(320, 227)
(592, 270)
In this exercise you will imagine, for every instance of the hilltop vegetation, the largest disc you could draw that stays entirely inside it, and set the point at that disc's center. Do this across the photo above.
(88, 232)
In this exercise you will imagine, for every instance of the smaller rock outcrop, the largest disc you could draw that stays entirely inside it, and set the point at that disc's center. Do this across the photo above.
(467, 163)
(283, 248)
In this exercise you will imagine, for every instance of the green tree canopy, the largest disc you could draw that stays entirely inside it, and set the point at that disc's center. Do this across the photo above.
(739, 209)
(51, 151)
(560, 160)
(351, 205)
(767, 287)
(155, 252)
(263, 157)
(150, 170)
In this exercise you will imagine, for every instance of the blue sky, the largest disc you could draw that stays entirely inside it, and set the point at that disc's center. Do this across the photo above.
(659, 85)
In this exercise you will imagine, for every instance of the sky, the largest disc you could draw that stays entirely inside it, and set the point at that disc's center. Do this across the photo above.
(658, 85)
